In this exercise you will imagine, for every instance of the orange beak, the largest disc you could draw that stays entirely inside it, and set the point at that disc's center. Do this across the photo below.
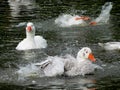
(29, 28)
(91, 57)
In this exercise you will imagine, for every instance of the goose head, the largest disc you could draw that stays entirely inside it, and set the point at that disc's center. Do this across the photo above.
(85, 54)
(30, 29)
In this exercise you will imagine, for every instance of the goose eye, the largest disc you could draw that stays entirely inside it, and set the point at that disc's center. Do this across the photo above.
(86, 51)
(83, 54)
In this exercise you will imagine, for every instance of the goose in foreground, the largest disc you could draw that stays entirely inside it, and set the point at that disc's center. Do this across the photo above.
(31, 41)
(82, 64)
(65, 65)
(110, 45)
(70, 66)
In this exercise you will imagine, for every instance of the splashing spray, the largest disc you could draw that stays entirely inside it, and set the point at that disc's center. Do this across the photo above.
(105, 13)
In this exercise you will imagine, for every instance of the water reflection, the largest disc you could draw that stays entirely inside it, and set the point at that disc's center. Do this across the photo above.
(80, 83)
(56, 83)
(19, 7)
(60, 41)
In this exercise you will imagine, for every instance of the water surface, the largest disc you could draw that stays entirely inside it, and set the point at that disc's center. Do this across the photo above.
(61, 41)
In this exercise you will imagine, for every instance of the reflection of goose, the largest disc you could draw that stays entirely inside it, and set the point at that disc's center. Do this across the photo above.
(110, 45)
(31, 41)
(17, 5)
(82, 64)
(67, 20)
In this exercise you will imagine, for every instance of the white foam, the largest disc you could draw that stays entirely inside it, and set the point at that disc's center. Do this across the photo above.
(28, 71)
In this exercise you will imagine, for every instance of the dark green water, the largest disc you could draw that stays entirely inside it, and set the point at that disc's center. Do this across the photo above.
(61, 41)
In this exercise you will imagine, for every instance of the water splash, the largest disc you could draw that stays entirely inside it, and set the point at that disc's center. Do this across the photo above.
(105, 13)
(28, 71)
(67, 20)
(52, 66)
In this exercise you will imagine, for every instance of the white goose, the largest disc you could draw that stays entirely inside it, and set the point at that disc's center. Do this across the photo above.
(67, 20)
(82, 64)
(110, 45)
(31, 41)
(69, 65)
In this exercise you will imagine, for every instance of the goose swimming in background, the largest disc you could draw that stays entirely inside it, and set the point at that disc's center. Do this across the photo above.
(31, 41)
(67, 20)
(82, 64)
(110, 45)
